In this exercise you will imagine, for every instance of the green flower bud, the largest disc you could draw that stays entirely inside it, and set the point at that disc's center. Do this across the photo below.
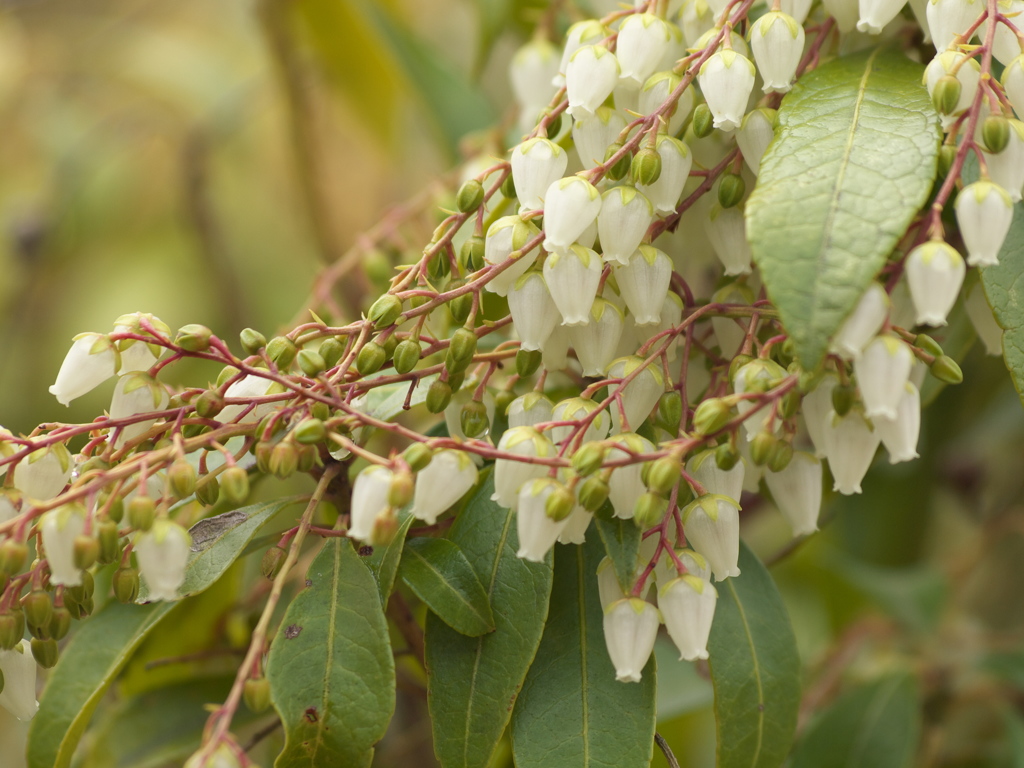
(370, 358)
(528, 361)
(439, 266)
(377, 265)
(282, 351)
(270, 565)
(946, 94)
(331, 350)
(417, 456)
(711, 415)
(284, 460)
(471, 255)
(731, 189)
(762, 447)
(209, 404)
(559, 503)
(60, 623)
(670, 411)
(385, 528)
(780, 456)
(738, 362)
(234, 483)
(473, 419)
(126, 584)
(508, 187)
(456, 379)
(664, 474)
(311, 362)
(995, 132)
(141, 513)
(593, 493)
(646, 166)
(262, 452)
(309, 457)
(589, 458)
(13, 555)
(225, 373)
(928, 344)
(83, 591)
(115, 510)
(45, 652)
(85, 551)
(208, 491)
(385, 311)
(947, 156)
(195, 338)
(703, 121)
(407, 354)
(726, 456)
(11, 629)
(38, 608)
(946, 369)
(462, 346)
(95, 464)
(109, 541)
(438, 396)
(790, 404)
(649, 511)
(182, 477)
(309, 432)
(460, 307)
(401, 490)
(843, 396)
(622, 165)
(252, 341)
(256, 694)
(470, 196)
(555, 125)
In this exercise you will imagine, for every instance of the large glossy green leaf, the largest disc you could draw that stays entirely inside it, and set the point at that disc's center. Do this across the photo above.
(572, 712)
(874, 726)
(1004, 289)
(218, 541)
(622, 543)
(852, 162)
(441, 576)
(755, 669)
(383, 561)
(473, 682)
(331, 672)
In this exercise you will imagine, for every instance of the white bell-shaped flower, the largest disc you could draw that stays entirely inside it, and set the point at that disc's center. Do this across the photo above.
(882, 369)
(608, 588)
(656, 92)
(529, 410)
(728, 332)
(536, 165)
(582, 33)
(717, 481)
(625, 485)
(588, 236)
(984, 322)
(948, 18)
(136, 393)
(727, 231)
(875, 14)
(246, 388)
(917, 8)
(43, 473)
(755, 377)
(531, 71)
(676, 162)
(643, 41)
(640, 395)
(163, 553)
(798, 9)
(816, 406)
(570, 206)
(590, 78)
(596, 341)
(369, 500)
(575, 409)
(902, 312)
(593, 134)
(643, 282)
(665, 570)
(534, 313)
(504, 238)
(726, 80)
(445, 480)
(59, 528)
(687, 604)
(1007, 168)
(754, 136)
(863, 323)
(136, 355)
(712, 527)
(537, 531)
(797, 492)
(967, 72)
(736, 41)
(18, 669)
(899, 435)
(850, 445)
(671, 317)
(622, 223)
(509, 474)
(984, 212)
(572, 277)
(576, 525)
(1013, 84)
(696, 19)
(845, 12)
(91, 360)
(777, 41)
(630, 629)
(555, 354)
(1005, 45)
(8, 510)
(935, 272)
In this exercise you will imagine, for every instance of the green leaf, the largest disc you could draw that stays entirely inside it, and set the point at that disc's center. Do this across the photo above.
(331, 672)
(681, 689)
(441, 576)
(622, 543)
(755, 669)
(874, 726)
(86, 668)
(852, 162)
(473, 682)
(383, 562)
(1002, 284)
(387, 401)
(220, 541)
(572, 712)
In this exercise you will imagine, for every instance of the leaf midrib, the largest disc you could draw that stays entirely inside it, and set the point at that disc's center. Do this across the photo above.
(457, 592)
(757, 672)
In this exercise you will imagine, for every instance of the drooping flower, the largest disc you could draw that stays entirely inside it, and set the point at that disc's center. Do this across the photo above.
(656, 92)
(608, 587)
(536, 165)
(572, 277)
(593, 134)
(644, 40)
(966, 71)
(676, 162)
(528, 410)
(590, 78)
(726, 80)
(643, 282)
(18, 671)
(1005, 45)
(935, 272)
(577, 409)
(882, 369)
(534, 313)
(596, 341)
(630, 629)
(948, 18)
(875, 14)
(757, 376)
(797, 492)
(531, 71)
(625, 485)
(1006, 169)
(579, 34)
(163, 553)
(862, 324)
(136, 393)
(504, 238)
(984, 212)
(687, 604)
(622, 223)
(59, 528)
(570, 206)
(817, 406)
(720, 482)
(712, 527)
(510, 475)
(1013, 84)
(445, 480)
(899, 435)
(537, 532)
(91, 360)
(850, 445)
(754, 136)
(369, 500)
(638, 396)
(576, 525)
(43, 473)
(726, 229)
(777, 40)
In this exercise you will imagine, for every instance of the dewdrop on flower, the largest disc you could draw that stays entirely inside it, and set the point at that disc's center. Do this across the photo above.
(643, 41)
(577, 409)
(441, 483)
(712, 527)
(948, 18)
(59, 527)
(797, 492)
(590, 78)
(1006, 169)
(534, 313)
(754, 136)
(453, 413)
(643, 282)
(570, 206)
(726, 80)
(850, 445)
(968, 73)
(43, 473)
(580, 34)
(676, 162)
(726, 229)
(509, 474)
(369, 500)
(596, 341)
(136, 393)
(163, 553)
(18, 671)
(882, 369)
(625, 485)
(656, 92)
(528, 410)
(862, 324)
(630, 629)
(875, 14)
(717, 481)
(935, 272)
(537, 532)
(777, 41)
(505, 237)
(91, 360)
(984, 213)
(573, 276)
(640, 395)
(687, 604)
(622, 223)
(536, 165)
(593, 134)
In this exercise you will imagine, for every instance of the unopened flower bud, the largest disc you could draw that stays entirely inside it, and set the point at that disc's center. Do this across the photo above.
(252, 341)
(761, 448)
(650, 510)
(417, 456)
(44, 652)
(234, 483)
(945, 369)
(163, 553)
(710, 416)
(731, 189)
(589, 458)
(646, 166)
(780, 456)
(928, 344)
(462, 347)
(60, 623)
(593, 493)
(946, 94)
(284, 459)
(309, 432)
(86, 551)
(209, 404)
(473, 419)
(469, 197)
(282, 351)
(528, 362)
(407, 354)
(126, 584)
(311, 362)
(13, 555)
(630, 629)
(471, 255)
(12, 627)
(664, 474)
(622, 166)
(109, 541)
(331, 350)
(193, 338)
(270, 565)
(385, 310)
(438, 396)
(703, 121)
(670, 411)
(559, 503)
(370, 358)
(726, 457)
(38, 608)
(843, 397)
(256, 694)
(141, 513)
(995, 132)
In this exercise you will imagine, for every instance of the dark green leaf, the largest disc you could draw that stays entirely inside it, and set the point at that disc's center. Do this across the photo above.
(622, 543)
(874, 726)
(681, 689)
(1002, 284)
(473, 682)
(572, 712)
(440, 575)
(383, 563)
(852, 162)
(331, 672)
(755, 669)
